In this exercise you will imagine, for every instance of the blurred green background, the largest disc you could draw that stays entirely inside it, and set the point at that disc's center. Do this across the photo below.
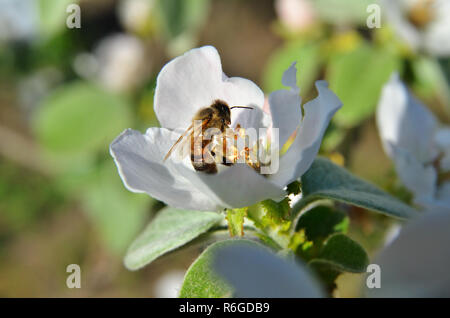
(65, 94)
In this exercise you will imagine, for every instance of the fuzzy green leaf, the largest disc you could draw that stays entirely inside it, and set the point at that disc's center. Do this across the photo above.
(251, 269)
(344, 254)
(201, 281)
(326, 180)
(339, 254)
(170, 229)
(322, 221)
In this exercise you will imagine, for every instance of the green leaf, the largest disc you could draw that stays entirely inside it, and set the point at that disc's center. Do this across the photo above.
(322, 221)
(252, 270)
(360, 96)
(339, 254)
(235, 219)
(344, 254)
(170, 229)
(277, 211)
(294, 188)
(80, 118)
(326, 180)
(308, 61)
(201, 281)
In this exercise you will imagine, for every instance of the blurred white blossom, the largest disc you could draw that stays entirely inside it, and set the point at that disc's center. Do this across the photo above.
(417, 143)
(135, 14)
(423, 24)
(296, 15)
(119, 63)
(416, 262)
(169, 284)
(18, 19)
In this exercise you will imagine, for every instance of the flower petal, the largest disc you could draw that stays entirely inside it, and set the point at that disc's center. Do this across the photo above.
(139, 159)
(442, 139)
(437, 32)
(232, 187)
(240, 186)
(285, 106)
(418, 178)
(404, 122)
(416, 263)
(186, 84)
(396, 12)
(300, 155)
(193, 81)
(443, 194)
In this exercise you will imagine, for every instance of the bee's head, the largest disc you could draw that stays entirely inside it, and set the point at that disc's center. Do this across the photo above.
(223, 111)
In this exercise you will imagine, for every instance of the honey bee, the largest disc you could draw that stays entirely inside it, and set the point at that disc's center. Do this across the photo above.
(217, 116)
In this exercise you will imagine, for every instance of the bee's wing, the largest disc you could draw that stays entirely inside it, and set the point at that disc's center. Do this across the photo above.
(191, 130)
(178, 141)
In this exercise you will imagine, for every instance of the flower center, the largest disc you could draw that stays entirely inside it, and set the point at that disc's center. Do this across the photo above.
(421, 13)
(239, 146)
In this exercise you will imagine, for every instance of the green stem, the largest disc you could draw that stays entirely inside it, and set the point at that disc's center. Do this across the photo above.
(235, 219)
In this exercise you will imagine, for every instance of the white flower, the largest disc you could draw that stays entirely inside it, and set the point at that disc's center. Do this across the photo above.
(296, 15)
(191, 82)
(423, 24)
(18, 19)
(420, 148)
(416, 262)
(135, 14)
(118, 63)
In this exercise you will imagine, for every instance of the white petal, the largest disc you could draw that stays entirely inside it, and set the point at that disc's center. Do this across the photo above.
(437, 32)
(232, 187)
(418, 178)
(301, 154)
(237, 91)
(193, 81)
(139, 159)
(186, 84)
(416, 263)
(443, 194)
(250, 118)
(442, 140)
(240, 186)
(396, 12)
(404, 122)
(285, 106)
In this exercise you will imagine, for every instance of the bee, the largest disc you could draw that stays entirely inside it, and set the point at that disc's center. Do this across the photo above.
(217, 116)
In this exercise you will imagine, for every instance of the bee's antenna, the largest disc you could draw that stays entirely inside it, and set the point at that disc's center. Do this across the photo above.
(247, 107)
